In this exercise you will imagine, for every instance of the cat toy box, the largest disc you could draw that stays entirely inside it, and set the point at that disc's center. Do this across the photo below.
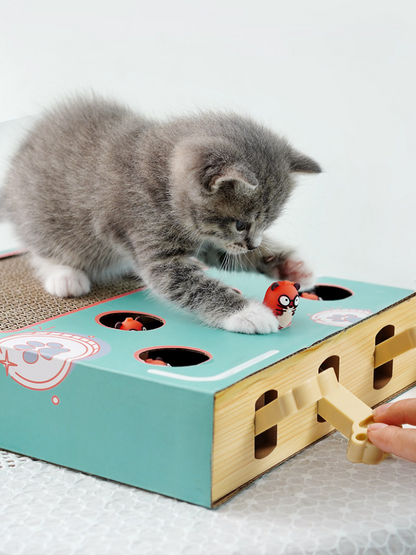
(175, 408)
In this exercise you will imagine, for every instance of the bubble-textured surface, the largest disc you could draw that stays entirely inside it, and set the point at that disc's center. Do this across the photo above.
(317, 503)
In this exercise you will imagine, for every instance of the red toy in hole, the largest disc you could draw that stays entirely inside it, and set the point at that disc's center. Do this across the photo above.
(310, 296)
(283, 298)
(130, 324)
(157, 360)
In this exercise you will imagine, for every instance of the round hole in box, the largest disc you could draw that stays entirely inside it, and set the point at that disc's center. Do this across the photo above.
(172, 356)
(111, 319)
(328, 292)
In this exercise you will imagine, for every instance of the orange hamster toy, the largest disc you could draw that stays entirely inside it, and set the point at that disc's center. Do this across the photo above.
(283, 298)
(130, 325)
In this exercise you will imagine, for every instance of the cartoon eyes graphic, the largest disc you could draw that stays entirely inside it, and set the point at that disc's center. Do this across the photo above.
(284, 300)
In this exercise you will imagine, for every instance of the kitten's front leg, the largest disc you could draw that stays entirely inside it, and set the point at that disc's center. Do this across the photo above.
(279, 262)
(183, 282)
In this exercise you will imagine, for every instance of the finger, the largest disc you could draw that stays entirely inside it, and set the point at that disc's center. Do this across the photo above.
(398, 413)
(394, 440)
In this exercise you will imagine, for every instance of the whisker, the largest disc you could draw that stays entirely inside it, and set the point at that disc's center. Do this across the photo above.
(240, 263)
(235, 263)
(249, 261)
(198, 249)
(224, 263)
(266, 249)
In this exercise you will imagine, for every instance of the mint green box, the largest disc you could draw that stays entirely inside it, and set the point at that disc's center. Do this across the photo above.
(79, 393)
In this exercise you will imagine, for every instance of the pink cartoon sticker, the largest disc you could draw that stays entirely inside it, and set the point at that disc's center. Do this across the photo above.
(340, 317)
(41, 360)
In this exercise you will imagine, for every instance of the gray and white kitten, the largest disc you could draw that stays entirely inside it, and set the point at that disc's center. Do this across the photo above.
(96, 191)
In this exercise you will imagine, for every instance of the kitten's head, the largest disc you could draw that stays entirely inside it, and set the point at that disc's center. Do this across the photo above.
(230, 180)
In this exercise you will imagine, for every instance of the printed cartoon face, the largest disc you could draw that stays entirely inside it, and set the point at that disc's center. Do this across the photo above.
(340, 317)
(283, 298)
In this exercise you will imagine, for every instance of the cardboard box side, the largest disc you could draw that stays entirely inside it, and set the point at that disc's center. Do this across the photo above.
(234, 461)
(247, 484)
(116, 427)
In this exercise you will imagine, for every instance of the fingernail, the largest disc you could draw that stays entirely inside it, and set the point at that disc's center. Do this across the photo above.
(382, 408)
(376, 426)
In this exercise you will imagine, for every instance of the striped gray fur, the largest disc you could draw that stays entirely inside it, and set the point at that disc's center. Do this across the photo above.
(96, 190)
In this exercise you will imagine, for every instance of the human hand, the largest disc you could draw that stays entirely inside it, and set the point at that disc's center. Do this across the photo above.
(387, 433)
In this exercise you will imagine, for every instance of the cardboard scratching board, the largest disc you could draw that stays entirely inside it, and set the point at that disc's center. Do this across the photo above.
(228, 408)
(24, 301)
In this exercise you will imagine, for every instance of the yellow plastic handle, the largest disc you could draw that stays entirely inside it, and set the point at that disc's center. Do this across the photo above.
(395, 346)
(343, 410)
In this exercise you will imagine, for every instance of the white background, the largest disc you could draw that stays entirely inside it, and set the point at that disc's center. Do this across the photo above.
(335, 77)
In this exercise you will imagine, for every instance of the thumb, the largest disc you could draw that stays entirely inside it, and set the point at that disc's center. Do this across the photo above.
(392, 439)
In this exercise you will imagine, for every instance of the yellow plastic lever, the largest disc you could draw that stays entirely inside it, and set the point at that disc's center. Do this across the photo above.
(395, 346)
(294, 400)
(350, 416)
(336, 404)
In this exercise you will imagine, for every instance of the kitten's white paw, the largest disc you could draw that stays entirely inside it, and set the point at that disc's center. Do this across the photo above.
(64, 281)
(254, 318)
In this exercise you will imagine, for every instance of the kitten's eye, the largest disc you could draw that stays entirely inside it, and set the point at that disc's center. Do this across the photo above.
(296, 301)
(241, 226)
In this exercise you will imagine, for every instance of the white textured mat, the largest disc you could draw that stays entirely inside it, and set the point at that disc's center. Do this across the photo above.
(316, 503)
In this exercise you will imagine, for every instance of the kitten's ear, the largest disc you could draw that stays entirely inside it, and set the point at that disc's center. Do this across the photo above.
(301, 163)
(209, 164)
(234, 178)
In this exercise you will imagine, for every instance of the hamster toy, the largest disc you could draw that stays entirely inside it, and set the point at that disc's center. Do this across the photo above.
(283, 298)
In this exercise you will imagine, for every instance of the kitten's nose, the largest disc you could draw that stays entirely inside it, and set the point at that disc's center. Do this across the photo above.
(254, 241)
(251, 247)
